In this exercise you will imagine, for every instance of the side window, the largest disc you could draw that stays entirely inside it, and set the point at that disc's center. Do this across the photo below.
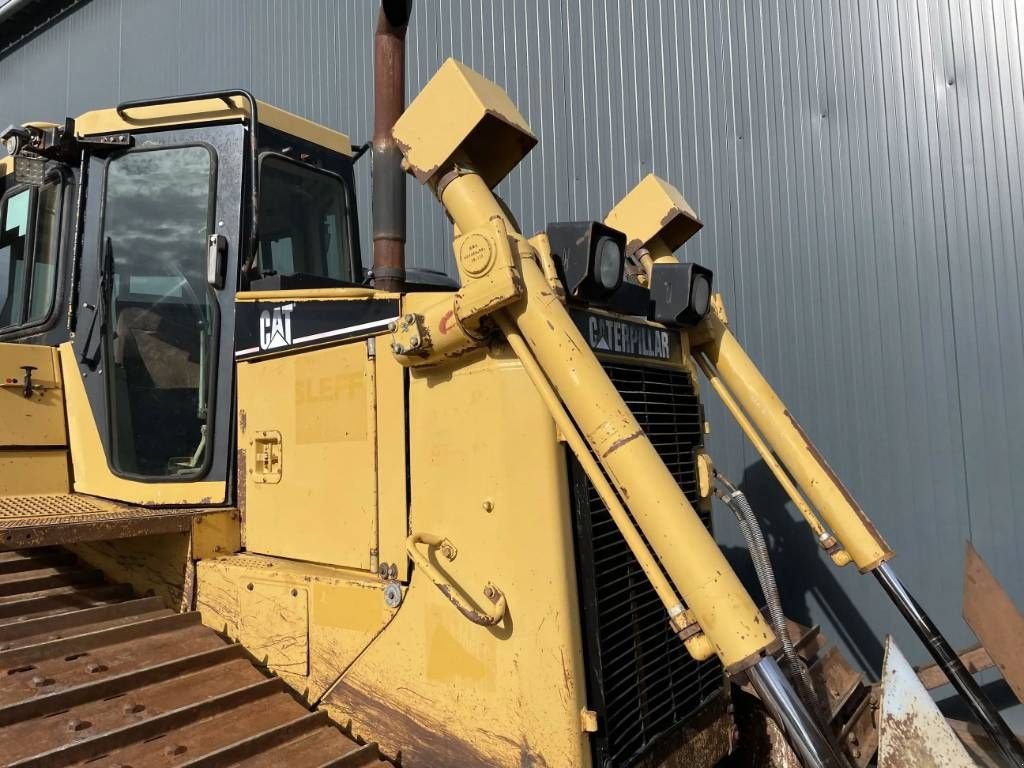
(13, 241)
(28, 261)
(303, 221)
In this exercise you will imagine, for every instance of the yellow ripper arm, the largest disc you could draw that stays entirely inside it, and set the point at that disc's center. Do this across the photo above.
(557, 354)
(746, 393)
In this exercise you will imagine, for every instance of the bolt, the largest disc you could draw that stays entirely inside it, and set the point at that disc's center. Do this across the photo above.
(96, 667)
(383, 570)
(295, 593)
(488, 506)
(41, 682)
(414, 342)
(392, 326)
(489, 592)
(397, 348)
(78, 725)
(249, 586)
(393, 571)
(133, 708)
(410, 319)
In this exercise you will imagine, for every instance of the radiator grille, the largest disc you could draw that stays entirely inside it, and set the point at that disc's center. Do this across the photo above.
(642, 682)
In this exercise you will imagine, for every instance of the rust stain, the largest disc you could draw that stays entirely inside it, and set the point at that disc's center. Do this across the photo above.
(475, 616)
(240, 479)
(242, 420)
(621, 442)
(417, 739)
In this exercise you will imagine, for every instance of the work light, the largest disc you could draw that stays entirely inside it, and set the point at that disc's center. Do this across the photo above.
(680, 293)
(591, 257)
(14, 138)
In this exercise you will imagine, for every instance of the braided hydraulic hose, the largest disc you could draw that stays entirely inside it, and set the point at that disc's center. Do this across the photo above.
(736, 500)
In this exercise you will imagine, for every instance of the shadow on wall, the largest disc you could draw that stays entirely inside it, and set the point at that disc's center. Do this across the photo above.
(801, 570)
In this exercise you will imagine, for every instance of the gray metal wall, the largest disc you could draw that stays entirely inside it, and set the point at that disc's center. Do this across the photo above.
(859, 167)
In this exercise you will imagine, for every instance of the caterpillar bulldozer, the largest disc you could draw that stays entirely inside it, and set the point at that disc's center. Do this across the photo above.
(260, 506)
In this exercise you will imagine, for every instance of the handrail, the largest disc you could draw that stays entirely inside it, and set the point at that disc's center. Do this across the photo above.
(485, 617)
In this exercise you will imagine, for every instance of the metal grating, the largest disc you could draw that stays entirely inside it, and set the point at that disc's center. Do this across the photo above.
(643, 683)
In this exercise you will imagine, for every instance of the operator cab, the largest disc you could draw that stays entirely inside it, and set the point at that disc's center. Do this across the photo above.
(125, 235)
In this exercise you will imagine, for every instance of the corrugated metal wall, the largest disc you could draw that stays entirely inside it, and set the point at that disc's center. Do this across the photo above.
(859, 167)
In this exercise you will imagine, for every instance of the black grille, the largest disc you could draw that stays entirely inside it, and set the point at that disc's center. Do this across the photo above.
(642, 682)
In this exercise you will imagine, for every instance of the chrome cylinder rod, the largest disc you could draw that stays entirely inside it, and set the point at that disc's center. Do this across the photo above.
(963, 681)
(811, 744)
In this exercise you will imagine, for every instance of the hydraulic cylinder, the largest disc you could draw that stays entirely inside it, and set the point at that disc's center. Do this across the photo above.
(691, 558)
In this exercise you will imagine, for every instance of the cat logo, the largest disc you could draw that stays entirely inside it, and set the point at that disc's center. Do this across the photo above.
(276, 327)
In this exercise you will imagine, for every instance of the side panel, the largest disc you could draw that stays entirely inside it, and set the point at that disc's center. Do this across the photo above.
(33, 436)
(488, 473)
(307, 425)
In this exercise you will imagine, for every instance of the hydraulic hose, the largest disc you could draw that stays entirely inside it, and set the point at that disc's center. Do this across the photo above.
(736, 500)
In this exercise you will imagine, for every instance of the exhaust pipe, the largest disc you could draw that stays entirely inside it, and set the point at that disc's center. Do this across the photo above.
(388, 176)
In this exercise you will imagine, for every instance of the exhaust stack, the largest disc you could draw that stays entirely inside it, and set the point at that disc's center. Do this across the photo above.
(388, 176)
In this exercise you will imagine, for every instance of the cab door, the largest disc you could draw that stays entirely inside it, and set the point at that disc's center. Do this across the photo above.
(149, 372)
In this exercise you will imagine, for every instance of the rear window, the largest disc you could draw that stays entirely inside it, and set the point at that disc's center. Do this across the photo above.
(303, 221)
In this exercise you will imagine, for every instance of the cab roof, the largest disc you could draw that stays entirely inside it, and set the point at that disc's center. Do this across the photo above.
(206, 110)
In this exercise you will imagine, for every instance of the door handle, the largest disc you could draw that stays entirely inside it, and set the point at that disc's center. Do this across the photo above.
(485, 617)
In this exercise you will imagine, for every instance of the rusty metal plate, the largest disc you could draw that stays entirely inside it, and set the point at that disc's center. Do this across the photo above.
(89, 674)
(912, 733)
(990, 612)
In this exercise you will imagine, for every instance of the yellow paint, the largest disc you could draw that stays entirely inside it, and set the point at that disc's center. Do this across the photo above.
(479, 120)
(89, 461)
(103, 121)
(216, 534)
(455, 652)
(344, 611)
(823, 488)
(321, 403)
(274, 625)
(29, 472)
(654, 209)
(488, 472)
(38, 420)
(314, 294)
(392, 500)
(356, 606)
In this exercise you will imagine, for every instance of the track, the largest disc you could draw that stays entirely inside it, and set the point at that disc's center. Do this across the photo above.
(91, 674)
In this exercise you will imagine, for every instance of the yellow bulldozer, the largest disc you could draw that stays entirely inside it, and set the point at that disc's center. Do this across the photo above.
(260, 506)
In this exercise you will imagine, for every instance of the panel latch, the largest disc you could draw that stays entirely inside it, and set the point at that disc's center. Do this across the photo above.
(267, 454)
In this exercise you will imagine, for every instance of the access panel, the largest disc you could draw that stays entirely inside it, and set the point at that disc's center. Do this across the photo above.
(307, 455)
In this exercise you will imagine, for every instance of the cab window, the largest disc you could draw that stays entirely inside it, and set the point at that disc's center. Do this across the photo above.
(303, 222)
(160, 312)
(28, 259)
